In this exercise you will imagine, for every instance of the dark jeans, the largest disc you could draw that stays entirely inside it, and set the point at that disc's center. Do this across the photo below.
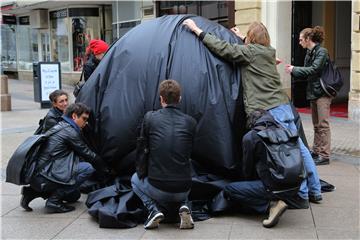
(152, 197)
(249, 194)
(64, 192)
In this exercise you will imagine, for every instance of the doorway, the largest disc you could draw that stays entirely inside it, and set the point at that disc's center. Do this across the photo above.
(335, 17)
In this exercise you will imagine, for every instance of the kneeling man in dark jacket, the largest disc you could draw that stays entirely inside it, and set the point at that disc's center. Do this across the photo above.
(169, 134)
(64, 163)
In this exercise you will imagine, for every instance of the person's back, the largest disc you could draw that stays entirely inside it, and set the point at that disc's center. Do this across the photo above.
(171, 134)
(168, 135)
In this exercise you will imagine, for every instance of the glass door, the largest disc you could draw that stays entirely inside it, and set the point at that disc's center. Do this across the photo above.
(44, 46)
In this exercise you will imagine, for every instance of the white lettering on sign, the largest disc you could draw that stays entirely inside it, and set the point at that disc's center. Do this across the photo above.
(50, 79)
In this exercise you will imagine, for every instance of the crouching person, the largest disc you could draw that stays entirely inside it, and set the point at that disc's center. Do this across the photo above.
(64, 162)
(168, 134)
(272, 167)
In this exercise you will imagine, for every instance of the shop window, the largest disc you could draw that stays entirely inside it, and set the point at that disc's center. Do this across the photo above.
(60, 38)
(28, 50)
(83, 30)
(122, 28)
(8, 47)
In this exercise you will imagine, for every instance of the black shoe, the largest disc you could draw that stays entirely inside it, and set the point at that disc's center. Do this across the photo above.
(314, 155)
(154, 218)
(54, 205)
(315, 198)
(297, 202)
(186, 221)
(321, 161)
(28, 194)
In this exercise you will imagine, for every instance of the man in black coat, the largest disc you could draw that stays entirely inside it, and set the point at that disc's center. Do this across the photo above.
(64, 162)
(169, 133)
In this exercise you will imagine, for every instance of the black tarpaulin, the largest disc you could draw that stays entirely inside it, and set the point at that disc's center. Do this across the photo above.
(125, 86)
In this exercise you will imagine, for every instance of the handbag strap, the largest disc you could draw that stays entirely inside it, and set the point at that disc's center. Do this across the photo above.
(81, 76)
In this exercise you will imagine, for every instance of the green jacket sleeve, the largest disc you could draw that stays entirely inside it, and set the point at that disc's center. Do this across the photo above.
(316, 66)
(231, 52)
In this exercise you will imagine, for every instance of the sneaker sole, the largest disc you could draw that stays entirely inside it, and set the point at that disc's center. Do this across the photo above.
(276, 218)
(155, 222)
(186, 221)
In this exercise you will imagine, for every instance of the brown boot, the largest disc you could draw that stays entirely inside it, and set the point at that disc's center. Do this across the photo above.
(276, 210)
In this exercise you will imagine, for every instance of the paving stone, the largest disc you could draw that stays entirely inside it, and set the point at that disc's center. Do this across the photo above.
(38, 206)
(344, 183)
(36, 228)
(336, 218)
(89, 229)
(9, 203)
(337, 168)
(278, 232)
(9, 189)
(202, 230)
(236, 218)
(328, 233)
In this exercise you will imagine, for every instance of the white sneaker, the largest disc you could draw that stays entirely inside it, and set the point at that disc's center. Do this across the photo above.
(186, 221)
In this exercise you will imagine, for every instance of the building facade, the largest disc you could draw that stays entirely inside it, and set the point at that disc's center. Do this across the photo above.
(60, 31)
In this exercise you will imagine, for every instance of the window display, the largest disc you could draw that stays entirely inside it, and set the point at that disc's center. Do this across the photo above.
(29, 49)
(8, 47)
(60, 38)
(83, 30)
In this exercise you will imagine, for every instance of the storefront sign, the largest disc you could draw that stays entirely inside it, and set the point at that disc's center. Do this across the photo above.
(59, 14)
(50, 80)
(24, 20)
(83, 12)
(6, 19)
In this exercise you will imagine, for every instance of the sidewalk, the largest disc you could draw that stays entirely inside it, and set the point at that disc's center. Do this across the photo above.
(337, 217)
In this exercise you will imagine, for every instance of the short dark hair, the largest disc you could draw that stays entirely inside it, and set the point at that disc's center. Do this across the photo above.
(170, 91)
(77, 108)
(55, 94)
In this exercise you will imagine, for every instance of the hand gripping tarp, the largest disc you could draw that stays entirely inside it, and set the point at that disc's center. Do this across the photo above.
(125, 86)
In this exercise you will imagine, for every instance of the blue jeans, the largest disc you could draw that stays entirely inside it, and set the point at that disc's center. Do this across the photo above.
(311, 185)
(83, 172)
(250, 195)
(152, 196)
(68, 193)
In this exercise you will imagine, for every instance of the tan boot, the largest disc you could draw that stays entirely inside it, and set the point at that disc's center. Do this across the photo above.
(276, 210)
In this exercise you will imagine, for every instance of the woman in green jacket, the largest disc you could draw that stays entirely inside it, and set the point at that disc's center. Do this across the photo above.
(262, 89)
(315, 61)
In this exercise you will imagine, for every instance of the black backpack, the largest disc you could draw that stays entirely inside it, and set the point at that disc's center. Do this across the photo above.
(331, 80)
(282, 171)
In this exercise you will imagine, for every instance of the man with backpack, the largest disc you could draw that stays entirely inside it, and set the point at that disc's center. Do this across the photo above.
(272, 168)
(64, 162)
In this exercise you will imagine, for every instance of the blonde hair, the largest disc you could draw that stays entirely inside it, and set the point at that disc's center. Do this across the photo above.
(257, 33)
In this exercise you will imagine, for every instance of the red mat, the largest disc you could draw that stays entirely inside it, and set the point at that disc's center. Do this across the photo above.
(336, 110)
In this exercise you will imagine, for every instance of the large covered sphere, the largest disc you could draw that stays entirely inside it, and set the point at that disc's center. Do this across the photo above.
(125, 86)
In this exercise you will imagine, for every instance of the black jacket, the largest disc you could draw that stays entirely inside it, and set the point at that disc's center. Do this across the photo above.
(51, 119)
(314, 63)
(60, 154)
(90, 66)
(170, 135)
